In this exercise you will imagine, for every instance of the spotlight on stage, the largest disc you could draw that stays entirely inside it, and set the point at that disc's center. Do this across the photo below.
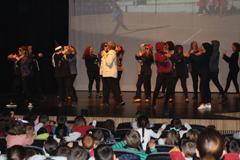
(84, 112)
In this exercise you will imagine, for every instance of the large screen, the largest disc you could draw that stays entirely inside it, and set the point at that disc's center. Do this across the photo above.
(151, 21)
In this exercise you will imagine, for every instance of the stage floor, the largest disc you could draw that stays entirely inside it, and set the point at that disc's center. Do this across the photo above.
(177, 109)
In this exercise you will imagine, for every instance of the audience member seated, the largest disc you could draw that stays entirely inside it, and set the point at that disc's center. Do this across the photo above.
(193, 134)
(78, 153)
(172, 138)
(135, 124)
(17, 135)
(31, 117)
(80, 125)
(99, 138)
(31, 133)
(62, 136)
(103, 152)
(176, 125)
(132, 141)
(16, 152)
(61, 120)
(30, 153)
(233, 147)
(110, 125)
(50, 146)
(88, 143)
(5, 120)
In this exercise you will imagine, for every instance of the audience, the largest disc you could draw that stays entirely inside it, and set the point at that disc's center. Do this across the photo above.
(193, 134)
(110, 125)
(80, 125)
(88, 143)
(16, 152)
(61, 120)
(78, 153)
(176, 125)
(50, 146)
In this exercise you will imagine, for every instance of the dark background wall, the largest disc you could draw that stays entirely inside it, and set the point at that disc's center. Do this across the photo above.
(36, 23)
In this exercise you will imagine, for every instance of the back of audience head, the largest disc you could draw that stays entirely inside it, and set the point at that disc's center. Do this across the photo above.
(104, 152)
(133, 138)
(17, 128)
(193, 134)
(43, 119)
(88, 141)
(50, 145)
(30, 130)
(61, 119)
(61, 132)
(63, 151)
(181, 141)
(189, 148)
(78, 153)
(80, 121)
(172, 138)
(143, 123)
(30, 153)
(138, 114)
(233, 147)
(98, 136)
(211, 127)
(109, 124)
(5, 120)
(176, 124)
(16, 152)
(30, 117)
(210, 145)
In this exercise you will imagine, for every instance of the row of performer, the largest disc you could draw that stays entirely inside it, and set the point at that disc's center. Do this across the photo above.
(172, 64)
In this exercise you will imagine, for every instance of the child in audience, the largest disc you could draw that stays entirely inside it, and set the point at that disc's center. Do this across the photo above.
(78, 153)
(5, 120)
(99, 138)
(61, 120)
(173, 138)
(233, 147)
(17, 135)
(62, 136)
(135, 124)
(49, 146)
(193, 134)
(43, 122)
(30, 153)
(88, 143)
(145, 133)
(80, 125)
(31, 133)
(176, 125)
(31, 117)
(63, 151)
(132, 141)
(16, 152)
(103, 152)
(110, 125)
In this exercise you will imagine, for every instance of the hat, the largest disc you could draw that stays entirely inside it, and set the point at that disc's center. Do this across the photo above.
(57, 46)
(150, 47)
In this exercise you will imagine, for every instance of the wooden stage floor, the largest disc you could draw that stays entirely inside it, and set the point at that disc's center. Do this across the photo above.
(177, 109)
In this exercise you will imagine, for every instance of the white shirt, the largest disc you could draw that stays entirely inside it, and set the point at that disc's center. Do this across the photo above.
(109, 65)
(72, 137)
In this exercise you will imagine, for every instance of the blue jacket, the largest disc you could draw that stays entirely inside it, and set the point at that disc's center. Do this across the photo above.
(72, 64)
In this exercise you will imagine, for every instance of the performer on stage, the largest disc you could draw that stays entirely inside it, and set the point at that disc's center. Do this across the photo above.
(35, 79)
(102, 47)
(91, 63)
(193, 67)
(63, 74)
(22, 70)
(108, 70)
(146, 73)
(164, 69)
(120, 52)
(213, 65)
(203, 59)
(180, 71)
(234, 68)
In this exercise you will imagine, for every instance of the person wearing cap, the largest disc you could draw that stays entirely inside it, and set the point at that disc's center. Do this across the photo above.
(108, 70)
(146, 72)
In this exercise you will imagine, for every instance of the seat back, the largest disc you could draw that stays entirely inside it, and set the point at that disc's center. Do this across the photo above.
(3, 145)
(38, 142)
(38, 150)
(124, 125)
(99, 124)
(119, 152)
(120, 134)
(42, 130)
(157, 156)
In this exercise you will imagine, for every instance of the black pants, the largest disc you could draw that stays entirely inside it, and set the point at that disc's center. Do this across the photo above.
(201, 9)
(73, 77)
(63, 84)
(232, 76)
(110, 83)
(195, 75)
(160, 79)
(146, 81)
(35, 83)
(25, 82)
(214, 78)
(118, 24)
(118, 80)
(204, 87)
(93, 76)
(183, 80)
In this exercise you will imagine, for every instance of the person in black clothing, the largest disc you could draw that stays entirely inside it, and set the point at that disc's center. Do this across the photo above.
(194, 67)
(203, 59)
(146, 72)
(180, 71)
(63, 74)
(213, 65)
(35, 72)
(119, 19)
(234, 68)
(91, 62)
(120, 52)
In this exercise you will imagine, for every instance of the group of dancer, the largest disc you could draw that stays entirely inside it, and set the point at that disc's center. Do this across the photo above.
(221, 4)
(172, 64)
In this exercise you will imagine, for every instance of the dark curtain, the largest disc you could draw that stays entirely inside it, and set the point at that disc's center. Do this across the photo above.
(36, 23)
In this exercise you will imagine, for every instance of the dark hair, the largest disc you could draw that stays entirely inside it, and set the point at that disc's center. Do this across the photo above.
(98, 135)
(74, 49)
(79, 121)
(143, 123)
(138, 114)
(193, 134)
(109, 124)
(104, 152)
(78, 153)
(5, 120)
(17, 128)
(133, 138)
(176, 123)
(61, 132)
(188, 148)
(237, 45)
(233, 146)
(88, 141)
(63, 151)
(122, 50)
(30, 117)
(210, 144)
(30, 153)
(43, 119)
(172, 138)
(50, 145)
(16, 152)
(181, 141)
(170, 44)
(61, 119)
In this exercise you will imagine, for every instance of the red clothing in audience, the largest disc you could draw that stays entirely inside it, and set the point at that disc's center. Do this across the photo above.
(49, 128)
(92, 153)
(22, 140)
(231, 156)
(81, 129)
(176, 155)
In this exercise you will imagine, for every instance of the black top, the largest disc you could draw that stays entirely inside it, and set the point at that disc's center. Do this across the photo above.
(91, 62)
(180, 65)
(62, 68)
(203, 62)
(232, 61)
(193, 62)
(146, 65)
